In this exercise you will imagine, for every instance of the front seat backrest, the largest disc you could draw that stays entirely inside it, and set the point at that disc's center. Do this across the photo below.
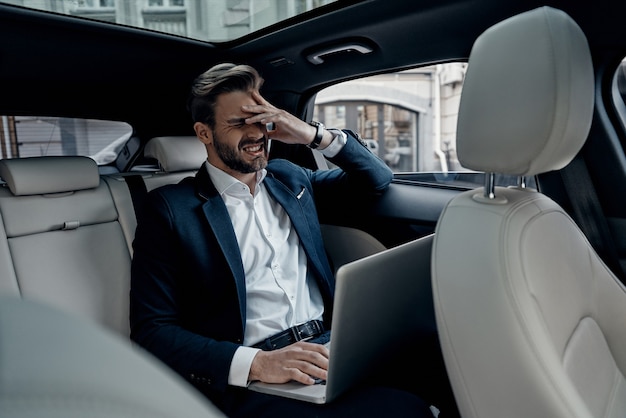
(59, 365)
(531, 321)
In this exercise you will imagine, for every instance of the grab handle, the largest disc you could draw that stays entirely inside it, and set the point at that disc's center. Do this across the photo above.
(316, 57)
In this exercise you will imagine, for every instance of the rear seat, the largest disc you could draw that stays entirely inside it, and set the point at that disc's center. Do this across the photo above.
(66, 232)
(66, 241)
(177, 157)
(63, 239)
(63, 242)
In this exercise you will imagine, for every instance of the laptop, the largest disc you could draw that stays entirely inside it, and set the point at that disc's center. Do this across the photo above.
(390, 292)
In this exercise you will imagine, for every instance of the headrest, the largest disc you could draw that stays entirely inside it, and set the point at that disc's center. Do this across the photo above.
(176, 153)
(44, 175)
(527, 100)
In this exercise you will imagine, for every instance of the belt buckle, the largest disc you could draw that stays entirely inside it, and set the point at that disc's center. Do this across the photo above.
(311, 328)
(296, 334)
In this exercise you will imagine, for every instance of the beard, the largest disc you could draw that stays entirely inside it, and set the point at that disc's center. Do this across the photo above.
(232, 157)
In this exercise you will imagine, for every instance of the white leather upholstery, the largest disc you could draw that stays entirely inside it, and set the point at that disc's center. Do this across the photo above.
(65, 247)
(531, 321)
(125, 208)
(41, 175)
(56, 365)
(176, 153)
(178, 157)
(528, 96)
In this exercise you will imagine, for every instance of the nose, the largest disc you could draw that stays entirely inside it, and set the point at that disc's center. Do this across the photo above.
(255, 130)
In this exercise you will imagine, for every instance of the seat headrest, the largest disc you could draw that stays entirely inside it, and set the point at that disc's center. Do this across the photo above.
(176, 153)
(44, 175)
(528, 97)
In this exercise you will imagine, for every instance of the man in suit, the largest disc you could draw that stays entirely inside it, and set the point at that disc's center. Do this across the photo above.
(227, 265)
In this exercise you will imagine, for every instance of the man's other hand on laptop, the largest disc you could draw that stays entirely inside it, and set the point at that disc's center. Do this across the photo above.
(301, 361)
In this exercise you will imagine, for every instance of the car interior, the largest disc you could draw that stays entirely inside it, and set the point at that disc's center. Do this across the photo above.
(527, 277)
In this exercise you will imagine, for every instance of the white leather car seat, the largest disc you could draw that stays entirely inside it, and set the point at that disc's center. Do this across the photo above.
(532, 323)
(63, 240)
(56, 365)
(177, 156)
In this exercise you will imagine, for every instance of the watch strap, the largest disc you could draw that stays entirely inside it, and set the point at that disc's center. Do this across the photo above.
(319, 134)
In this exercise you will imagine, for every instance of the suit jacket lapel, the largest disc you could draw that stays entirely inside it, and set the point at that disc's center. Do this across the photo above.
(219, 220)
(299, 219)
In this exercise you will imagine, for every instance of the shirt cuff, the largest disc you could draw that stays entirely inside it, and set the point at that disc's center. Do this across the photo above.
(240, 366)
(339, 140)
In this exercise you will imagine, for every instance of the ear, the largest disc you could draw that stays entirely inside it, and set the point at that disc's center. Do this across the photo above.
(203, 132)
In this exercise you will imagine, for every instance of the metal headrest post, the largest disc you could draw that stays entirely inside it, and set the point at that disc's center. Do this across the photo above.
(490, 186)
(521, 182)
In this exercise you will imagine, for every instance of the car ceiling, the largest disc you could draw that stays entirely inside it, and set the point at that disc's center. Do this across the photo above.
(68, 67)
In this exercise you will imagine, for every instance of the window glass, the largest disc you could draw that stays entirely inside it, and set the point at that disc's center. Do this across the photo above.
(408, 119)
(205, 20)
(30, 136)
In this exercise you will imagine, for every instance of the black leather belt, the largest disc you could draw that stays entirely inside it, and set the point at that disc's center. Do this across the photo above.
(289, 336)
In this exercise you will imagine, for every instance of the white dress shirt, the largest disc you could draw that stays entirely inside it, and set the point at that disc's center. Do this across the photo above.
(278, 290)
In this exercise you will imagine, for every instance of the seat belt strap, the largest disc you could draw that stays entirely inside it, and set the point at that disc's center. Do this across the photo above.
(138, 191)
(589, 215)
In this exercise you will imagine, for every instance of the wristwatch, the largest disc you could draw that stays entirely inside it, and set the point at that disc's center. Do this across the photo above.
(319, 134)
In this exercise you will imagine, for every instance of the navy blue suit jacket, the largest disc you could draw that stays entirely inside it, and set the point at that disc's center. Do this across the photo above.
(188, 292)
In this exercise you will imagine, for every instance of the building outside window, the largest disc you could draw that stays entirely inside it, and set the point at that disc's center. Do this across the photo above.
(407, 118)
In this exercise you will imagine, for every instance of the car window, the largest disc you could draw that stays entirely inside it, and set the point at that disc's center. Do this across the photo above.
(32, 136)
(205, 20)
(408, 119)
